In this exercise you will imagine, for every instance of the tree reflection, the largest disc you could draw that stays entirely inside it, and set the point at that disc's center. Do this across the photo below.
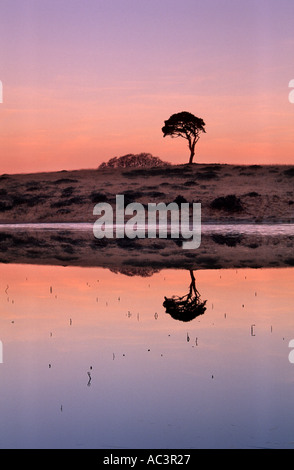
(187, 307)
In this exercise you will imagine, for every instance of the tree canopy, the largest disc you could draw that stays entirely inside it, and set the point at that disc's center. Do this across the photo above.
(185, 125)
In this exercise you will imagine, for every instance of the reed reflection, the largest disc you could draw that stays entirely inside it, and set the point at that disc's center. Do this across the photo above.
(188, 306)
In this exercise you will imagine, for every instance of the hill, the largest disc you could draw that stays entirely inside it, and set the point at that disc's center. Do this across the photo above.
(228, 193)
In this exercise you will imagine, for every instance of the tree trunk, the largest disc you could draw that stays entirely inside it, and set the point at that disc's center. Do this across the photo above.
(193, 284)
(192, 150)
(191, 155)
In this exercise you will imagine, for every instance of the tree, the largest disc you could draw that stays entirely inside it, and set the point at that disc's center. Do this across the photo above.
(187, 307)
(131, 160)
(185, 125)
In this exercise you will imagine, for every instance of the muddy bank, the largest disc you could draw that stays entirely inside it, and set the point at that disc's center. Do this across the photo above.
(217, 251)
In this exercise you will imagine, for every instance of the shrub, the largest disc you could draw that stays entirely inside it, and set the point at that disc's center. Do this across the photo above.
(180, 199)
(289, 172)
(98, 197)
(229, 203)
(133, 160)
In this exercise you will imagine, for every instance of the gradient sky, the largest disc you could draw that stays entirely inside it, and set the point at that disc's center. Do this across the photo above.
(87, 80)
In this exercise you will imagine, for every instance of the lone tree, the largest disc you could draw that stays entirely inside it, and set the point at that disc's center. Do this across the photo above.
(185, 125)
(187, 307)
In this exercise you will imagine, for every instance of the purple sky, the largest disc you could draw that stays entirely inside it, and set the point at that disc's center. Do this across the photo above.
(87, 80)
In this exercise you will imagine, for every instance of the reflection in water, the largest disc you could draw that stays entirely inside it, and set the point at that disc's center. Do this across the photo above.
(122, 373)
(90, 377)
(187, 307)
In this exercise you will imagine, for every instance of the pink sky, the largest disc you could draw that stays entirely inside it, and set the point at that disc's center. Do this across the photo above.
(86, 81)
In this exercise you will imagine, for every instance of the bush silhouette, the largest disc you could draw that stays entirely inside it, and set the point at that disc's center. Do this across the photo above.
(229, 203)
(133, 160)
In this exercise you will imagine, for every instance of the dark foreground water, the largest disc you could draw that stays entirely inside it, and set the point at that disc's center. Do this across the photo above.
(91, 359)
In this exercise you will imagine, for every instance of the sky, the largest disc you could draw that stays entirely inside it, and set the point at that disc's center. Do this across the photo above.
(86, 80)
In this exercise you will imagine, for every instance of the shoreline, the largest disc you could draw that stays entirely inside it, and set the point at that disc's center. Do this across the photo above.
(217, 250)
(85, 226)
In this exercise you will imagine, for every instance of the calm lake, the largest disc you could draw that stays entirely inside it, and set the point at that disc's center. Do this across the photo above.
(91, 359)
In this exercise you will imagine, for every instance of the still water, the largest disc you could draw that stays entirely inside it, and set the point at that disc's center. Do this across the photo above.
(91, 359)
(262, 229)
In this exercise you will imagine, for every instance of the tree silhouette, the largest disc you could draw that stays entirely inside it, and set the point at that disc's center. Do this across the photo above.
(187, 307)
(185, 125)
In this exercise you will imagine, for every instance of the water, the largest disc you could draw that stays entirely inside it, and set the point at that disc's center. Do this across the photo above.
(91, 359)
(261, 229)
